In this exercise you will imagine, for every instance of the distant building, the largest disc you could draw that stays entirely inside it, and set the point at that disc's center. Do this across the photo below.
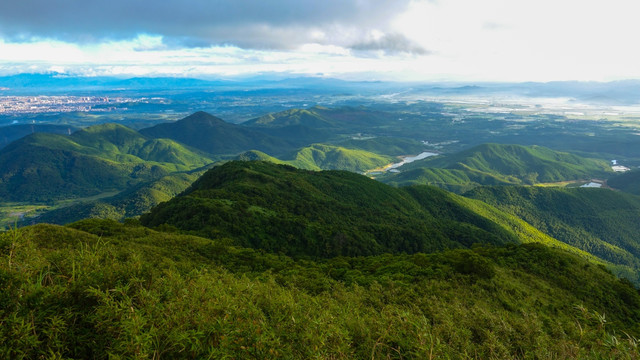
(620, 168)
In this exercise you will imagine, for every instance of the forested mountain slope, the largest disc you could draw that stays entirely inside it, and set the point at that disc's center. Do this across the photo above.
(217, 137)
(45, 167)
(600, 221)
(10, 133)
(499, 164)
(129, 203)
(330, 213)
(628, 182)
(326, 157)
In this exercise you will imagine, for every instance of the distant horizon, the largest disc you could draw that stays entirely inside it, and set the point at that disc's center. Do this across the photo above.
(279, 77)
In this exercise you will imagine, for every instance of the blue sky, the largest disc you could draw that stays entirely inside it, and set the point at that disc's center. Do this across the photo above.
(415, 40)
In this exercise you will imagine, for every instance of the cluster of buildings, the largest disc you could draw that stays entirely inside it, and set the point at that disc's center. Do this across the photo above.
(44, 104)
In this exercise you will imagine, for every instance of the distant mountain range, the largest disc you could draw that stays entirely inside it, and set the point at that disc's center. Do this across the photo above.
(606, 93)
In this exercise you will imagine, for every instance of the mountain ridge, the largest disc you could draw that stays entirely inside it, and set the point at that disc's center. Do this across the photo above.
(43, 167)
(499, 164)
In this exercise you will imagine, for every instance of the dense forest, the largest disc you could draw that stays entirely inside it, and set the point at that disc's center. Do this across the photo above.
(101, 289)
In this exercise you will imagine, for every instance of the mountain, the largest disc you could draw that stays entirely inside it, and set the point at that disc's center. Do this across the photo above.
(331, 213)
(313, 117)
(129, 203)
(216, 137)
(255, 155)
(386, 145)
(63, 83)
(325, 157)
(495, 164)
(341, 119)
(310, 213)
(600, 221)
(100, 289)
(628, 182)
(298, 135)
(11, 133)
(45, 167)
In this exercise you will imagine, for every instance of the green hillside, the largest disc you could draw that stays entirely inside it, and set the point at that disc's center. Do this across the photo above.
(298, 135)
(331, 213)
(324, 157)
(101, 290)
(314, 117)
(123, 144)
(359, 128)
(385, 145)
(129, 203)
(46, 167)
(318, 214)
(628, 182)
(600, 221)
(327, 157)
(319, 117)
(454, 180)
(494, 164)
(14, 132)
(216, 137)
(255, 155)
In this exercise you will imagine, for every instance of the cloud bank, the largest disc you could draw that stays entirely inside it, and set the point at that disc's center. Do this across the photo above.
(250, 24)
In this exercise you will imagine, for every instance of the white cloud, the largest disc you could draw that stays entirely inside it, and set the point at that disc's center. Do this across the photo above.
(503, 40)
(526, 40)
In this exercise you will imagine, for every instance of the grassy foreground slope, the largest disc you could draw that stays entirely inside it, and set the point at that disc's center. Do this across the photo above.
(496, 164)
(99, 289)
(600, 221)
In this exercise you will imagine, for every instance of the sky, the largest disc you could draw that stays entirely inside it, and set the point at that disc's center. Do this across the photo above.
(389, 40)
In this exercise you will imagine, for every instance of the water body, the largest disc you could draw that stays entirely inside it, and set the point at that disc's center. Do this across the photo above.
(410, 159)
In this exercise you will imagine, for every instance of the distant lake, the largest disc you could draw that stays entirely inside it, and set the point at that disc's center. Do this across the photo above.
(410, 159)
